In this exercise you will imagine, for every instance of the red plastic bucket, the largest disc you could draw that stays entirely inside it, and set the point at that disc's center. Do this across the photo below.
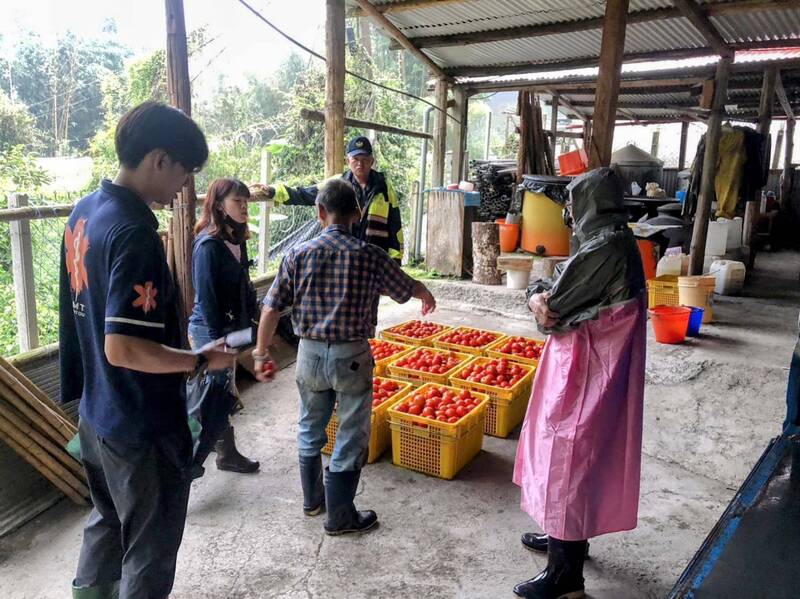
(670, 323)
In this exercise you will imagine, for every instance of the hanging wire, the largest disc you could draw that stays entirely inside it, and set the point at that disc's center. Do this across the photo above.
(351, 73)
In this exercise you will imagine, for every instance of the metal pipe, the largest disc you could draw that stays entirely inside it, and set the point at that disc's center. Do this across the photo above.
(488, 135)
(423, 171)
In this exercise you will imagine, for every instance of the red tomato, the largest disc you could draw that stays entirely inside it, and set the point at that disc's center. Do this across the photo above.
(402, 408)
(415, 410)
(417, 329)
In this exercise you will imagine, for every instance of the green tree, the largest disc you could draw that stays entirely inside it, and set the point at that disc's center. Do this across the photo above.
(17, 126)
(62, 83)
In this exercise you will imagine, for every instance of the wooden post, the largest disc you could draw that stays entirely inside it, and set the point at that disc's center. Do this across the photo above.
(701, 217)
(460, 132)
(439, 134)
(654, 143)
(587, 135)
(786, 180)
(776, 154)
(682, 151)
(608, 77)
(485, 252)
(767, 100)
(334, 87)
(553, 124)
(751, 212)
(22, 273)
(184, 204)
(263, 214)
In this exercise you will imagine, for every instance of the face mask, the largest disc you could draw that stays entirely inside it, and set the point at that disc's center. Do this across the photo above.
(238, 231)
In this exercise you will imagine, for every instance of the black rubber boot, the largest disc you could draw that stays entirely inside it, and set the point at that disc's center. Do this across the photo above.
(311, 481)
(563, 577)
(538, 542)
(229, 458)
(343, 518)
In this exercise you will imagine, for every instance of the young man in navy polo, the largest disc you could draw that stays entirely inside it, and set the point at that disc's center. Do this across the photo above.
(118, 334)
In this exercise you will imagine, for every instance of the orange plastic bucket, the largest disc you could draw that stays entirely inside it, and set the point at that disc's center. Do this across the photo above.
(670, 323)
(649, 251)
(509, 235)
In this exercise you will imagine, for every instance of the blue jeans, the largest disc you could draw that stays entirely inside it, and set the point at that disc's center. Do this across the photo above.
(331, 374)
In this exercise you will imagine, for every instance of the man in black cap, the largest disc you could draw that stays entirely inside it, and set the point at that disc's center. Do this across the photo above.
(377, 202)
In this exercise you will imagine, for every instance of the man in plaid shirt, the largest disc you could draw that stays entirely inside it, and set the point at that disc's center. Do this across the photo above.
(332, 283)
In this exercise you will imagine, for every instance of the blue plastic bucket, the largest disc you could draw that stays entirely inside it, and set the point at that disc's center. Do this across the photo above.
(695, 320)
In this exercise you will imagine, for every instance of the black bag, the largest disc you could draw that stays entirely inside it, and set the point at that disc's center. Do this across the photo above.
(209, 402)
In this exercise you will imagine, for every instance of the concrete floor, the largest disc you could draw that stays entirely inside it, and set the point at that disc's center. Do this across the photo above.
(711, 407)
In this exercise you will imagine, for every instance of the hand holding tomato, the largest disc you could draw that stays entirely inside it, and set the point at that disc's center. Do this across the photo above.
(265, 368)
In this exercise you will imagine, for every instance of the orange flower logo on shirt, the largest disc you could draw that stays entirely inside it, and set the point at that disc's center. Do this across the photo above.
(77, 244)
(146, 299)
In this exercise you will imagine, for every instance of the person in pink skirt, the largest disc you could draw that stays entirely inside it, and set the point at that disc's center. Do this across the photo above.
(579, 454)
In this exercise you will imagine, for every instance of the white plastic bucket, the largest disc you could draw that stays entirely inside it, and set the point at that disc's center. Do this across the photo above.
(518, 279)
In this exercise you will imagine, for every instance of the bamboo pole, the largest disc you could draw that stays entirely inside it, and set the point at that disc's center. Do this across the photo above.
(57, 452)
(49, 413)
(334, 87)
(32, 415)
(30, 445)
(29, 384)
(42, 469)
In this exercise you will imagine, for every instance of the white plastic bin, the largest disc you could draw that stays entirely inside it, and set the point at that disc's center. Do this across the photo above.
(717, 239)
(734, 238)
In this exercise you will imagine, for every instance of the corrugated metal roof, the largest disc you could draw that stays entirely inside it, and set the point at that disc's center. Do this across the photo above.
(449, 18)
(759, 26)
(473, 16)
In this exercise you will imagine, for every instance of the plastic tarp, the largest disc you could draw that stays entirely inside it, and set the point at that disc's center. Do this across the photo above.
(606, 268)
(554, 188)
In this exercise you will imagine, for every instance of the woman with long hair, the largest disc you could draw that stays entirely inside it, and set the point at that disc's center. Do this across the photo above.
(225, 299)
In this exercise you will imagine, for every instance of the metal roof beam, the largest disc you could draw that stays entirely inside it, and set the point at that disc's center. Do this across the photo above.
(400, 38)
(592, 61)
(692, 11)
(687, 77)
(401, 6)
(642, 16)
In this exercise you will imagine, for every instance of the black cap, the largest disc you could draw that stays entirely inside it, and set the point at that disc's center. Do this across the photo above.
(358, 146)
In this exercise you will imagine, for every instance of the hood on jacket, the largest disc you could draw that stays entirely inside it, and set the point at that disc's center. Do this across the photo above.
(597, 200)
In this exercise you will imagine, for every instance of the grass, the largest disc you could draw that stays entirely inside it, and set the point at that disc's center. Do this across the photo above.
(422, 273)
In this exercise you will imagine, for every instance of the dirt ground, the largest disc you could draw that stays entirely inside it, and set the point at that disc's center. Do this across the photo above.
(711, 407)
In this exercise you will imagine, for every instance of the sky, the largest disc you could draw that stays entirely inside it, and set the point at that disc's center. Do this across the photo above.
(246, 44)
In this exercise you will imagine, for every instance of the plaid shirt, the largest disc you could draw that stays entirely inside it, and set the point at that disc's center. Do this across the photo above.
(333, 282)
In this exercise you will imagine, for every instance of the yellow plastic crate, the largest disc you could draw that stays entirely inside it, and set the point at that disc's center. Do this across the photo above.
(663, 291)
(476, 351)
(380, 365)
(417, 377)
(390, 335)
(437, 448)
(506, 407)
(493, 352)
(379, 435)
